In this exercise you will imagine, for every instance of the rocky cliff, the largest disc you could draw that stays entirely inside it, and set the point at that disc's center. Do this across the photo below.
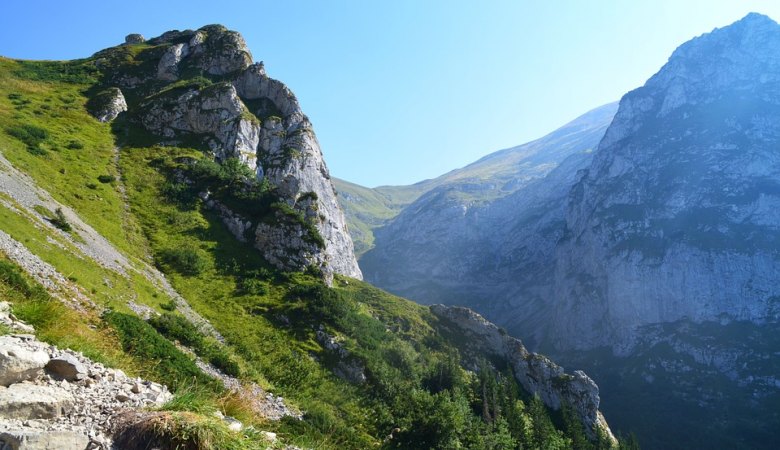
(202, 89)
(676, 218)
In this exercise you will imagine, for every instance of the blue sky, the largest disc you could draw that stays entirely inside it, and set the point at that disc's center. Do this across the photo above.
(404, 90)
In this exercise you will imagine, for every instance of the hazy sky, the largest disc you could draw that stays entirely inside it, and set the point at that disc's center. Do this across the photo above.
(403, 90)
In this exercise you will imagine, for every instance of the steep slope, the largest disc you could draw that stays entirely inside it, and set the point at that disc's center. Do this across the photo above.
(365, 210)
(480, 240)
(493, 176)
(127, 241)
(677, 216)
(671, 251)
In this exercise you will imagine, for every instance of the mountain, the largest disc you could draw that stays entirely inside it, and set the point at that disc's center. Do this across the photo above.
(491, 177)
(168, 225)
(679, 206)
(652, 262)
(671, 254)
(478, 240)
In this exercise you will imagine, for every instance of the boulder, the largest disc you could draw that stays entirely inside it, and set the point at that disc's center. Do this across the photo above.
(19, 362)
(134, 38)
(42, 440)
(28, 401)
(66, 367)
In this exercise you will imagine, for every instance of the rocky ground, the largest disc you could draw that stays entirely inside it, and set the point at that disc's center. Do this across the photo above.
(54, 398)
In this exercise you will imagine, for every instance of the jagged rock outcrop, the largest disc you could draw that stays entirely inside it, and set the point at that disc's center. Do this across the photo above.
(225, 103)
(107, 105)
(677, 216)
(535, 372)
(293, 162)
(215, 112)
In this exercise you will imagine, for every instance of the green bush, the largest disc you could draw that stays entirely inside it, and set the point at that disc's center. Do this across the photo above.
(31, 135)
(178, 328)
(176, 192)
(106, 178)
(253, 286)
(74, 145)
(187, 260)
(224, 362)
(165, 362)
(11, 275)
(168, 306)
(60, 221)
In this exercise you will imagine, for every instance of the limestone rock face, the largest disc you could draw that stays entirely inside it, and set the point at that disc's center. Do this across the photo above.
(215, 112)
(107, 105)
(286, 244)
(167, 68)
(678, 216)
(231, 106)
(292, 161)
(535, 372)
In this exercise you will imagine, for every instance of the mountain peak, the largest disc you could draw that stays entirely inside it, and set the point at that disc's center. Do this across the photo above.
(732, 60)
(756, 19)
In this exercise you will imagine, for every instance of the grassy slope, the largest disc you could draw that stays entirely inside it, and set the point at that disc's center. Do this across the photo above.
(271, 331)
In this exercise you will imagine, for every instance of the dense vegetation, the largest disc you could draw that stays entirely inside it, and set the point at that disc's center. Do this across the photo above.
(416, 393)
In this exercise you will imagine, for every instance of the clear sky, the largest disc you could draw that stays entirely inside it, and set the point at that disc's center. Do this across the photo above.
(403, 90)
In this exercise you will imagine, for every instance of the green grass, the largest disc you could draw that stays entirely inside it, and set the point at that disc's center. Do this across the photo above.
(50, 136)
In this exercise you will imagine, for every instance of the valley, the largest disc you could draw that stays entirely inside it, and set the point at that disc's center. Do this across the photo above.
(640, 247)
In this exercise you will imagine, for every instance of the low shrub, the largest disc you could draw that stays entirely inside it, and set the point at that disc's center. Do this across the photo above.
(163, 360)
(187, 260)
(31, 135)
(60, 221)
(178, 328)
(253, 286)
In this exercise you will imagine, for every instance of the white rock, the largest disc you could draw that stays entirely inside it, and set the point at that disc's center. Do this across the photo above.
(269, 436)
(18, 362)
(25, 439)
(29, 401)
(66, 367)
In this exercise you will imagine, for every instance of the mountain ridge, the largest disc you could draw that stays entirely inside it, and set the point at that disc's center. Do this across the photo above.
(494, 175)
